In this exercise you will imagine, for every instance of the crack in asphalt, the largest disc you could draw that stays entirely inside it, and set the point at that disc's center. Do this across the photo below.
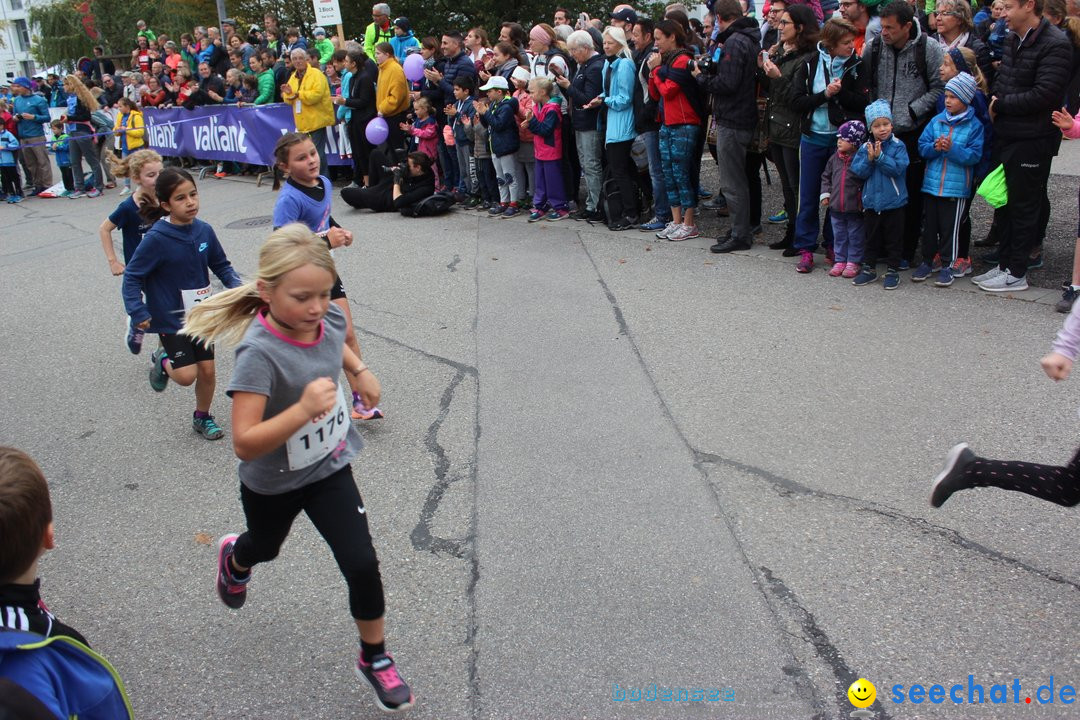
(785, 486)
(813, 635)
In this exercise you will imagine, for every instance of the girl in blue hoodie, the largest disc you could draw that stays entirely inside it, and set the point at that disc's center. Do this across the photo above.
(170, 268)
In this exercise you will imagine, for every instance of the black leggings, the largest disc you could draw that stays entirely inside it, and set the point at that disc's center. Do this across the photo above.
(623, 171)
(1055, 483)
(337, 512)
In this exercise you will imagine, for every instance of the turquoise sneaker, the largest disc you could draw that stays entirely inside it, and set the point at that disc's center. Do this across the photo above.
(158, 377)
(206, 427)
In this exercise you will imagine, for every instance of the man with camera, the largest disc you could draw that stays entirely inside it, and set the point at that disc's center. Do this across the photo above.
(397, 187)
(729, 76)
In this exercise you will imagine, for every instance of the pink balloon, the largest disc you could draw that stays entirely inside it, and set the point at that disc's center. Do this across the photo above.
(377, 131)
(414, 67)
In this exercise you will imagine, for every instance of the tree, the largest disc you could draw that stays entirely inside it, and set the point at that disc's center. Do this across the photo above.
(65, 30)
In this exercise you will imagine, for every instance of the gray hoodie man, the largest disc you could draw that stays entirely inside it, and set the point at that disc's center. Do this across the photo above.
(912, 86)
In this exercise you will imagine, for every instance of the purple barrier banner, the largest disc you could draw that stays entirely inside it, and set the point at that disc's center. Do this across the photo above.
(226, 132)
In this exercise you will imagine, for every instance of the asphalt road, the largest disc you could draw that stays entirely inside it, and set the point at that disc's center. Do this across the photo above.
(608, 462)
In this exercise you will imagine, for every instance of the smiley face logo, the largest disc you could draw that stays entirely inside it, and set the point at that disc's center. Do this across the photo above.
(862, 693)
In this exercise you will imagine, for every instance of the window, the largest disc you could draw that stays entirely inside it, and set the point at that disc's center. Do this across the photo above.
(22, 35)
(16, 4)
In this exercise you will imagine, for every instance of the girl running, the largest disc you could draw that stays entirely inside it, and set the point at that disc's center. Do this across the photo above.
(306, 199)
(170, 267)
(144, 166)
(1059, 484)
(291, 434)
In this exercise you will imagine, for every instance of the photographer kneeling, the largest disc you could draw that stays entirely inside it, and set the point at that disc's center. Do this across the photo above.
(394, 188)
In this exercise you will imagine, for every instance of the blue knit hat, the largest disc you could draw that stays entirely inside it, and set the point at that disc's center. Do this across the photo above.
(853, 131)
(878, 109)
(963, 87)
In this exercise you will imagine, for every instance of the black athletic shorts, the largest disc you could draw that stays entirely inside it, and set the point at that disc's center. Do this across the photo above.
(338, 291)
(184, 350)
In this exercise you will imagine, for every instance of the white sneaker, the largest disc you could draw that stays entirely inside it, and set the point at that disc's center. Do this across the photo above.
(1004, 283)
(988, 275)
(125, 191)
(668, 229)
(683, 232)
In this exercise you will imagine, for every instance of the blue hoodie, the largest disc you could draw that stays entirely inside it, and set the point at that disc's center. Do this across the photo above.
(402, 43)
(884, 188)
(170, 259)
(951, 174)
(502, 126)
(8, 145)
(65, 675)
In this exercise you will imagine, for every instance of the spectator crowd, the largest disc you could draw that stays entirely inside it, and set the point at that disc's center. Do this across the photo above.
(881, 120)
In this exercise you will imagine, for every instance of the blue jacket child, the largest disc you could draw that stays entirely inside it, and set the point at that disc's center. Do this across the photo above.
(502, 126)
(8, 145)
(884, 188)
(465, 110)
(402, 43)
(951, 173)
(65, 675)
(169, 260)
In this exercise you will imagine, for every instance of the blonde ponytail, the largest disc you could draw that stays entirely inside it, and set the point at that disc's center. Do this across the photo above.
(225, 317)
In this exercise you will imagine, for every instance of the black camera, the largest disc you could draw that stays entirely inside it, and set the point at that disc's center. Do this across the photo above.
(707, 65)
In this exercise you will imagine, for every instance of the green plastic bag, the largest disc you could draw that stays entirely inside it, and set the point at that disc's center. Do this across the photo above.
(993, 188)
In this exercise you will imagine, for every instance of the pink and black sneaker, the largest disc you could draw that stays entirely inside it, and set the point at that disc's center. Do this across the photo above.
(232, 592)
(392, 693)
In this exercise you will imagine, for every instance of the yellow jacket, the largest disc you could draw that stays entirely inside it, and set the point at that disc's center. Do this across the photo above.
(135, 130)
(391, 89)
(316, 109)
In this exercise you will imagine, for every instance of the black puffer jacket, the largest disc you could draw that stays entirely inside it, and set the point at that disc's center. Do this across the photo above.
(785, 122)
(848, 104)
(734, 85)
(586, 84)
(1030, 84)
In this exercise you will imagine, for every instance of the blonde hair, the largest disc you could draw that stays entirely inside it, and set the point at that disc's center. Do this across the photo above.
(974, 69)
(132, 165)
(75, 85)
(225, 317)
(543, 84)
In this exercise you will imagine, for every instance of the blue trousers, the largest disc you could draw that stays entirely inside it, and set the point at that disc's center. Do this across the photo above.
(848, 238)
(812, 161)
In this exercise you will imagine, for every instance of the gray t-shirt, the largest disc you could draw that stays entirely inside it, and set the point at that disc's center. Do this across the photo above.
(270, 364)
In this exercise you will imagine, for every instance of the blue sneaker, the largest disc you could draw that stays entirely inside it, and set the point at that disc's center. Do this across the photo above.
(158, 377)
(133, 338)
(510, 211)
(536, 216)
(778, 219)
(944, 278)
(904, 265)
(922, 272)
(14, 199)
(892, 279)
(206, 427)
(653, 225)
(495, 210)
(865, 276)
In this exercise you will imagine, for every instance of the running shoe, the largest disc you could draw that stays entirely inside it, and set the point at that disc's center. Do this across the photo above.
(556, 215)
(850, 270)
(988, 275)
(837, 269)
(392, 693)
(960, 267)
(892, 279)
(14, 199)
(1004, 282)
(1068, 297)
(93, 193)
(951, 477)
(76, 194)
(944, 278)
(206, 427)
(125, 191)
(806, 262)
(536, 216)
(133, 338)
(922, 272)
(778, 219)
(866, 276)
(510, 211)
(220, 174)
(496, 210)
(361, 412)
(668, 229)
(158, 377)
(685, 232)
(232, 592)
(654, 225)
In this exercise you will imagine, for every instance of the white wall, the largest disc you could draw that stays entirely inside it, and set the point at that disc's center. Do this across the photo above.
(15, 58)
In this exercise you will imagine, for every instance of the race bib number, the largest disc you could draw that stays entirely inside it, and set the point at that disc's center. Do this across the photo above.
(191, 298)
(320, 436)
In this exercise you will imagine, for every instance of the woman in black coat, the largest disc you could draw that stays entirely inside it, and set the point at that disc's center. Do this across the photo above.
(398, 188)
(361, 104)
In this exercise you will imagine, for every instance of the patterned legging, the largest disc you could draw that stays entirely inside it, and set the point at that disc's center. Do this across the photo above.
(677, 145)
(1056, 483)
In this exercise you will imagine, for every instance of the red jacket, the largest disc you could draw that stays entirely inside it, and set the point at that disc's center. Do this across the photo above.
(677, 109)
